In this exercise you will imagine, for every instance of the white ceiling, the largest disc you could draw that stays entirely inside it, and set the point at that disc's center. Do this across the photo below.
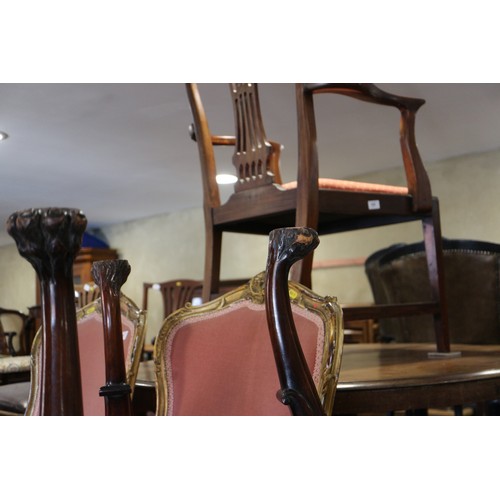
(122, 151)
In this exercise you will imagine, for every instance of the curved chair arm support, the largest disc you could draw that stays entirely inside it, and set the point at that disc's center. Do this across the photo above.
(286, 246)
(366, 92)
(416, 176)
(49, 239)
(10, 342)
(200, 131)
(25, 332)
(217, 140)
(110, 275)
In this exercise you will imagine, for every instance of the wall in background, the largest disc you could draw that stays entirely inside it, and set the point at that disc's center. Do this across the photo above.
(172, 246)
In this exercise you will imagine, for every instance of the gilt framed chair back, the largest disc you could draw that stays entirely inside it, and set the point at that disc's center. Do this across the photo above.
(216, 359)
(91, 353)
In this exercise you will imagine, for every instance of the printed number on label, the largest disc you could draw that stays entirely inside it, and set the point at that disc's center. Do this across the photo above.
(373, 204)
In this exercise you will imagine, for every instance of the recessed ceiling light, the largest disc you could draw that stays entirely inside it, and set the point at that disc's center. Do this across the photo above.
(3, 136)
(226, 179)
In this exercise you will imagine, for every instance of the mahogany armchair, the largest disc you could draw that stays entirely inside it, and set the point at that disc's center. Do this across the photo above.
(175, 293)
(262, 203)
(86, 293)
(255, 350)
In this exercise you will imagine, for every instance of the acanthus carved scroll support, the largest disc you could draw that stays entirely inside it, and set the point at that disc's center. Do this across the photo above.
(287, 246)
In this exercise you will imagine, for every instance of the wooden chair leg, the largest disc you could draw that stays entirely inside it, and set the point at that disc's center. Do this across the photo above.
(435, 264)
(49, 240)
(302, 271)
(110, 275)
(213, 251)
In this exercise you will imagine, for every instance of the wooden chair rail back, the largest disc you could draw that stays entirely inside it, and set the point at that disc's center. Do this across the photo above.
(175, 293)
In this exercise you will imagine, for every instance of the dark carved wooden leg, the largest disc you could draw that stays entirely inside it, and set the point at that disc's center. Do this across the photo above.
(435, 263)
(302, 271)
(110, 275)
(49, 239)
(286, 246)
(213, 249)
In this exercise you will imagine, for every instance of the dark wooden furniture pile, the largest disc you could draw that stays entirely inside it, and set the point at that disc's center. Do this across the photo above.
(49, 239)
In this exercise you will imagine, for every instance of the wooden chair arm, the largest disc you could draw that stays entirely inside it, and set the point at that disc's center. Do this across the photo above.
(287, 246)
(416, 176)
(366, 92)
(217, 140)
(228, 140)
(10, 344)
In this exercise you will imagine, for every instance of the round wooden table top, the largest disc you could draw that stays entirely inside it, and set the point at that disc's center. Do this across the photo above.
(378, 378)
(384, 377)
(380, 365)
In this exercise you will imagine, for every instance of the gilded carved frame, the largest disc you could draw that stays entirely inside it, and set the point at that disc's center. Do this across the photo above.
(129, 310)
(326, 308)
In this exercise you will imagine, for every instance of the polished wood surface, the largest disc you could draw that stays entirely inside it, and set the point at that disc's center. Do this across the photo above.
(110, 275)
(287, 246)
(384, 377)
(49, 239)
(379, 378)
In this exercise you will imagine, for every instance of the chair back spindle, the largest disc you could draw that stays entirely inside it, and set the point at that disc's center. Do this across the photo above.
(252, 152)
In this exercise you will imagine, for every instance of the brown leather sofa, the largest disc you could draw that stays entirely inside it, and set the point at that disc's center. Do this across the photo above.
(398, 274)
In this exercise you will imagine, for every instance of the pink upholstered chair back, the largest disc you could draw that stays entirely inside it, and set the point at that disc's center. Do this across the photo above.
(92, 359)
(217, 359)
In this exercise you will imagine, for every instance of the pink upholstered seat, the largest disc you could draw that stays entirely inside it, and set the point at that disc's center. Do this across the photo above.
(354, 186)
(217, 359)
(91, 350)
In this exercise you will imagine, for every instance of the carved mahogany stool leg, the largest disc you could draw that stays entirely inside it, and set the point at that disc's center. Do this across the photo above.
(49, 239)
(110, 275)
(287, 246)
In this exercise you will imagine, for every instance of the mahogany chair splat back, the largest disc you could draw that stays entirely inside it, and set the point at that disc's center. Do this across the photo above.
(175, 293)
(253, 154)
